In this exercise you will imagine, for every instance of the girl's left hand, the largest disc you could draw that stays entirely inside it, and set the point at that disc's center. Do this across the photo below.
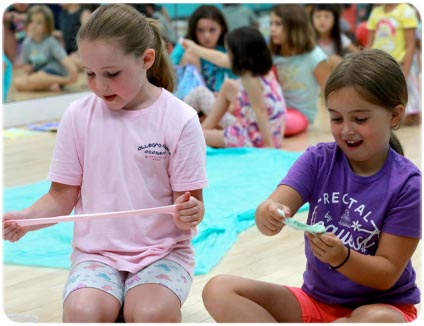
(189, 211)
(328, 248)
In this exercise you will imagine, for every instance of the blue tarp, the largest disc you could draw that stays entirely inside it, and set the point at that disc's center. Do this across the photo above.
(239, 179)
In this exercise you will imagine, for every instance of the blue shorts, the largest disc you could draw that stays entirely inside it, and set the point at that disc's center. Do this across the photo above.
(92, 274)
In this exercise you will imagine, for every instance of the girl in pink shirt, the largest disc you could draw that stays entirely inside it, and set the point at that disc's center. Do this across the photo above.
(129, 145)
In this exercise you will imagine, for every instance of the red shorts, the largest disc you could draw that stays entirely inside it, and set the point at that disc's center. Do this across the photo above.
(314, 311)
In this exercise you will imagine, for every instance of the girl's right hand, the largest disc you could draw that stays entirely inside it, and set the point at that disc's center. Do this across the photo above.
(188, 44)
(12, 231)
(268, 220)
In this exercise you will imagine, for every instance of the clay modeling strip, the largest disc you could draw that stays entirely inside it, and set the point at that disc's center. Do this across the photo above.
(87, 217)
(297, 225)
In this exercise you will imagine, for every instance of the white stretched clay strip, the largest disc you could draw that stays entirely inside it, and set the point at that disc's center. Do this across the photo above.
(86, 217)
(297, 225)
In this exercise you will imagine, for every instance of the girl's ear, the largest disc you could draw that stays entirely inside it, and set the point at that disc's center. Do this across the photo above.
(397, 115)
(149, 58)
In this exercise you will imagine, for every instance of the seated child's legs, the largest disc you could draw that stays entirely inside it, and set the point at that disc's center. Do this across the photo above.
(317, 312)
(236, 299)
(93, 293)
(39, 81)
(156, 293)
(382, 313)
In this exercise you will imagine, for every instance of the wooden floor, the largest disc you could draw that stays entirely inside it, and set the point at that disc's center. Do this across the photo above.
(37, 291)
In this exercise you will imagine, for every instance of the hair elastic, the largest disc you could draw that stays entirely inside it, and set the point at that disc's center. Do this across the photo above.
(343, 262)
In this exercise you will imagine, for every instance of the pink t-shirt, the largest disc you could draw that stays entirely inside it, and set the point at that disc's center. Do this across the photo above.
(125, 160)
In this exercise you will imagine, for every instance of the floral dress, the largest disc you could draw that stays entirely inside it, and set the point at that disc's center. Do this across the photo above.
(245, 131)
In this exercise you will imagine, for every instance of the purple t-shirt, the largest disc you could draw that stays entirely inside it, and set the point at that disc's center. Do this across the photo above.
(357, 209)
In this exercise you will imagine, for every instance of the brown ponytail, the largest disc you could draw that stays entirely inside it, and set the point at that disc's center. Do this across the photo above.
(161, 72)
(135, 33)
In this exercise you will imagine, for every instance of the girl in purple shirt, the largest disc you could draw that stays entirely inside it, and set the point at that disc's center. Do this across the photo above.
(367, 196)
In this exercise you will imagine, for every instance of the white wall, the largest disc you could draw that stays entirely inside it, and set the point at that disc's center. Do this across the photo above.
(37, 110)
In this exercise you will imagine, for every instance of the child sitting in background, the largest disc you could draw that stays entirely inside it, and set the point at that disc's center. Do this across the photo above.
(206, 27)
(300, 64)
(253, 106)
(45, 62)
(326, 22)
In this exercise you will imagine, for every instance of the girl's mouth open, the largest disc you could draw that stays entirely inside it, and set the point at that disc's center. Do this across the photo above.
(109, 98)
(353, 143)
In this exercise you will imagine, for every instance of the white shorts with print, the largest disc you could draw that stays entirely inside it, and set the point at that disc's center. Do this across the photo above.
(92, 274)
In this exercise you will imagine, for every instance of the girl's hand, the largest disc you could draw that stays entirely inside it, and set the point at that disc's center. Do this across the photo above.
(268, 220)
(190, 55)
(189, 211)
(328, 248)
(188, 45)
(11, 230)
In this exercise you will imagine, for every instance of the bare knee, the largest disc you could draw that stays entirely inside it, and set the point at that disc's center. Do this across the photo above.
(26, 84)
(374, 313)
(78, 312)
(152, 314)
(86, 313)
(86, 309)
(215, 290)
(20, 84)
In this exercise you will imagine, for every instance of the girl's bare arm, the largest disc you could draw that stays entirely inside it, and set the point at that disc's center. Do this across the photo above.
(321, 73)
(58, 201)
(384, 269)
(216, 57)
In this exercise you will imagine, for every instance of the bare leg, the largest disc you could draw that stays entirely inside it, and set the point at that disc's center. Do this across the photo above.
(214, 137)
(226, 96)
(89, 305)
(149, 303)
(38, 81)
(237, 299)
(374, 313)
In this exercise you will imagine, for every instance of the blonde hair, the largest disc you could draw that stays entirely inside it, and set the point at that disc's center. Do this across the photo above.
(135, 33)
(47, 14)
